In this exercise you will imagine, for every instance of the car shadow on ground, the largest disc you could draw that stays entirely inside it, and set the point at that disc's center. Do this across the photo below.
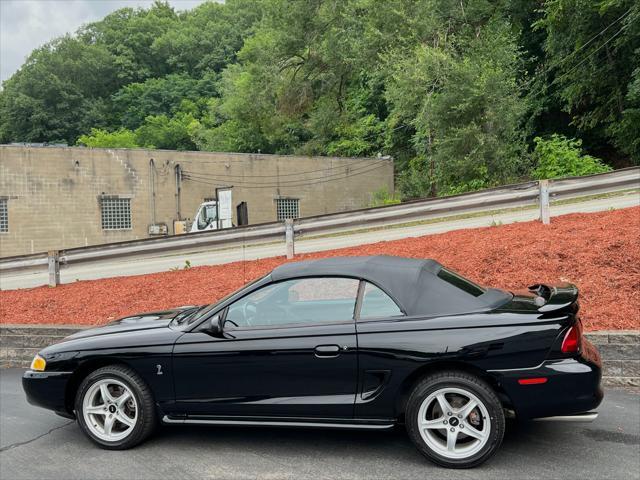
(393, 444)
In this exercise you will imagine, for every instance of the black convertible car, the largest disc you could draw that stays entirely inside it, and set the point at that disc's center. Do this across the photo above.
(345, 342)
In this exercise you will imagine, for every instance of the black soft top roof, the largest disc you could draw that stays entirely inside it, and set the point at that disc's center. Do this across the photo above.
(413, 283)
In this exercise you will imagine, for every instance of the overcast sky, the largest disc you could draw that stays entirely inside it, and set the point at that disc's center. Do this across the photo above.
(27, 24)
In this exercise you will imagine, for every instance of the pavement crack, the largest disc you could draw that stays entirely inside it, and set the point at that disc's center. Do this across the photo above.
(20, 444)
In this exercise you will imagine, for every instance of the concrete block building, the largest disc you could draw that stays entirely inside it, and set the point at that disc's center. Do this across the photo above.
(64, 197)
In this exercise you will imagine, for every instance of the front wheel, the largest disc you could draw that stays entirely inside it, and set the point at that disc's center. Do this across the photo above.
(455, 419)
(115, 408)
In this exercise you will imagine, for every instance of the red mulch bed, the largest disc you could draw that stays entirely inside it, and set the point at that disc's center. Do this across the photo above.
(599, 252)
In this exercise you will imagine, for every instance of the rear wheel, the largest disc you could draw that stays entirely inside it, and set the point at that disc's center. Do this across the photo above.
(455, 419)
(115, 408)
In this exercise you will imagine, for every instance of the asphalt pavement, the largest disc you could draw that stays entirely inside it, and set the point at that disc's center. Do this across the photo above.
(37, 444)
(133, 265)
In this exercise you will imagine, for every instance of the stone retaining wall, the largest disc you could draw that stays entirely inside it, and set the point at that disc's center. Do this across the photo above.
(620, 350)
(19, 343)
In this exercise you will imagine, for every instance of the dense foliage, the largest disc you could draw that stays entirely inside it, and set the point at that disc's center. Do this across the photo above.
(558, 157)
(463, 94)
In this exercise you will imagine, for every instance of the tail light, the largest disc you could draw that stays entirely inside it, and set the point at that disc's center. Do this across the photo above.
(572, 339)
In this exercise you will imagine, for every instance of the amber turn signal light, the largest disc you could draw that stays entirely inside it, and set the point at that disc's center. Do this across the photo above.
(38, 363)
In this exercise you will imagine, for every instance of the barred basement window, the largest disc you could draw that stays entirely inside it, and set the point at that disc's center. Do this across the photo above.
(287, 208)
(116, 213)
(4, 216)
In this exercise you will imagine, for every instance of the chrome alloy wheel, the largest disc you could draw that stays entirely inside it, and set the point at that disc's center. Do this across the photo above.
(110, 410)
(454, 423)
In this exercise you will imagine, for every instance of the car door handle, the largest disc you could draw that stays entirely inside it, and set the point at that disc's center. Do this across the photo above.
(327, 351)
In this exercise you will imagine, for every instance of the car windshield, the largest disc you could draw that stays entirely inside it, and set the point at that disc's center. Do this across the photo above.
(206, 309)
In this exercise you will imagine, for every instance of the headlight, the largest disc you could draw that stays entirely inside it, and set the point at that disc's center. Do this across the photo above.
(38, 363)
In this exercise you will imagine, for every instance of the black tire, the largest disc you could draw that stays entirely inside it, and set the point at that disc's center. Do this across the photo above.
(469, 383)
(146, 416)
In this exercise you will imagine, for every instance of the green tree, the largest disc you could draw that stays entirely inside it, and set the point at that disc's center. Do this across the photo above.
(59, 92)
(116, 72)
(162, 96)
(626, 133)
(207, 38)
(591, 54)
(344, 79)
(464, 103)
(293, 81)
(129, 35)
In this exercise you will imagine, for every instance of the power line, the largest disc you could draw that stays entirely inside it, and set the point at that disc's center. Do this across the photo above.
(222, 178)
(365, 160)
(557, 79)
(604, 44)
(291, 183)
(213, 183)
(222, 182)
(582, 47)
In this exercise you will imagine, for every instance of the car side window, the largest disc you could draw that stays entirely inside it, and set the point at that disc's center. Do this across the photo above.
(377, 304)
(299, 301)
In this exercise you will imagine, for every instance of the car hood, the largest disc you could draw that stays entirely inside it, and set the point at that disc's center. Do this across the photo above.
(141, 321)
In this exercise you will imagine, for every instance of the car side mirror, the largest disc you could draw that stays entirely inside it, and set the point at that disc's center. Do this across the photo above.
(214, 326)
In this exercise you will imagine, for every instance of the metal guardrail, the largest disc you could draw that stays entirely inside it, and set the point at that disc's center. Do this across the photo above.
(518, 195)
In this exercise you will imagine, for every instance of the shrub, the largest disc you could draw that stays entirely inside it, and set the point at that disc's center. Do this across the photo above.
(99, 138)
(559, 156)
(383, 197)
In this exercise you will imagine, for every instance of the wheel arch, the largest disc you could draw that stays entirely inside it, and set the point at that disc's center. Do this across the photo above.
(82, 371)
(414, 377)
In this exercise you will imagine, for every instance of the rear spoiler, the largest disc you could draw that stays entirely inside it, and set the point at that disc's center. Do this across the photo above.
(555, 297)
